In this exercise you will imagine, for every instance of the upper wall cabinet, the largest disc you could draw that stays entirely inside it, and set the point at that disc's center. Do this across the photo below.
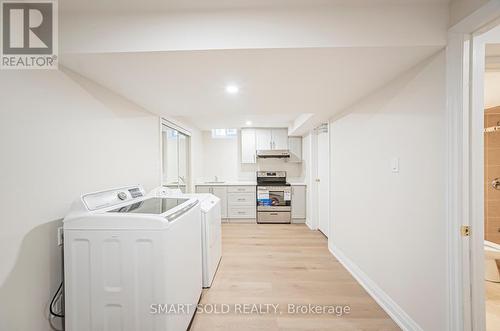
(267, 139)
(280, 138)
(263, 139)
(248, 148)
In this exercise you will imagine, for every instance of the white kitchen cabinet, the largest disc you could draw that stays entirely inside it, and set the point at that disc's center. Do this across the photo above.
(248, 146)
(295, 147)
(220, 192)
(241, 203)
(279, 138)
(241, 189)
(298, 201)
(268, 139)
(235, 199)
(263, 139)
(203, 189)
(242, 212)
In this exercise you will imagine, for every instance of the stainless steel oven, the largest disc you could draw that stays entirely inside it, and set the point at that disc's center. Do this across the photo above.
(274, 197)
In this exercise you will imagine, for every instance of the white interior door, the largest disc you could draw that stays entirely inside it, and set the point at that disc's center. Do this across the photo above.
(323, 180)
(476, 180)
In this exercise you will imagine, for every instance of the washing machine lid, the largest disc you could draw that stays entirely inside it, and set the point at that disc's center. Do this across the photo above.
(153, 205)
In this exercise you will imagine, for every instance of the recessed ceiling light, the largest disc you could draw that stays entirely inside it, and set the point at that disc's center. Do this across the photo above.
(232, 89)
(248, 122)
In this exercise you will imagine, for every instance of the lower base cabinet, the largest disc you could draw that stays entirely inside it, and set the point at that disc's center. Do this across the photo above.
(238, 203)
(298, 203)
(221, 193)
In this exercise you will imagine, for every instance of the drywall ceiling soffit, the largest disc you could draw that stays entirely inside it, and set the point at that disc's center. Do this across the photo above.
(287, 27)
(197, 5)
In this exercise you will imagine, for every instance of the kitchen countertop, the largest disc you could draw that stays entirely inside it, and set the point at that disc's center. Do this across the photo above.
(241, 183)
(227, 183)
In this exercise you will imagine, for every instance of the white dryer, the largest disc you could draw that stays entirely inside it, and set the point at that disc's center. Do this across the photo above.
(132, 262)
(211, 229)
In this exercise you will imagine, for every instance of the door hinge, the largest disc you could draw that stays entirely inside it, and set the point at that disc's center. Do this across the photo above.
(465, 230)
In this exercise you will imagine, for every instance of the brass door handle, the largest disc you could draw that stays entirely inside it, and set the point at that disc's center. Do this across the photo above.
(496, 183)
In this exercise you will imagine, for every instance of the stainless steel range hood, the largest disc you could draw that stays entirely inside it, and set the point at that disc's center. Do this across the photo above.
(273, 153)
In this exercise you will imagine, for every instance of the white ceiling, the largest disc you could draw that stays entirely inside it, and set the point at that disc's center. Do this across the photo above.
(276, 85)
(175, 5)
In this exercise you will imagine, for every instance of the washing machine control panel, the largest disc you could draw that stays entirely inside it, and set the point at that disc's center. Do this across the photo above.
(111, 198)
(122, 196)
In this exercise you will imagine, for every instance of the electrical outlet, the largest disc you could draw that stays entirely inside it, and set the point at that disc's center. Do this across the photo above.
(60, 236)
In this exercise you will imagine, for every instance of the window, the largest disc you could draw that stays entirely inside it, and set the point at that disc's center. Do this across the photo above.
(224, 133)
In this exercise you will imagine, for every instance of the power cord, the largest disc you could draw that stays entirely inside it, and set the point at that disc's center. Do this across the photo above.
(57, 296)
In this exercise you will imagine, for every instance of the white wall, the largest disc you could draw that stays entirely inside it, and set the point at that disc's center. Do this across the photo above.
(60, 136)
(222, 158)
(392, 225)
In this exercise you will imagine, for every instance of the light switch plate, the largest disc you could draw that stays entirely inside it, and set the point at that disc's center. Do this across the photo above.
(395, 164)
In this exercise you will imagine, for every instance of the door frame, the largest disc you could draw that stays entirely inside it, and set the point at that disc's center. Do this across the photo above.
(168, 123)
(313, 185)
(315, 174)
(464, 181)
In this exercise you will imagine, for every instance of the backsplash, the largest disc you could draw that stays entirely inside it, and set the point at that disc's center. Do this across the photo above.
(222, 158)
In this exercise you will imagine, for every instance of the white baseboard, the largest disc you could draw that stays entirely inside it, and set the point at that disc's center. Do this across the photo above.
(402, 319)
(309, 225)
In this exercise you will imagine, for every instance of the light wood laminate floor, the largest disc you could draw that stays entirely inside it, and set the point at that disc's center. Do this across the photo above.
(492, 306)
(284, 264)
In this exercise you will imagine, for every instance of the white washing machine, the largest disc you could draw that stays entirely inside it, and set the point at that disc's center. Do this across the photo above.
(211, 230)
(132, 262)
